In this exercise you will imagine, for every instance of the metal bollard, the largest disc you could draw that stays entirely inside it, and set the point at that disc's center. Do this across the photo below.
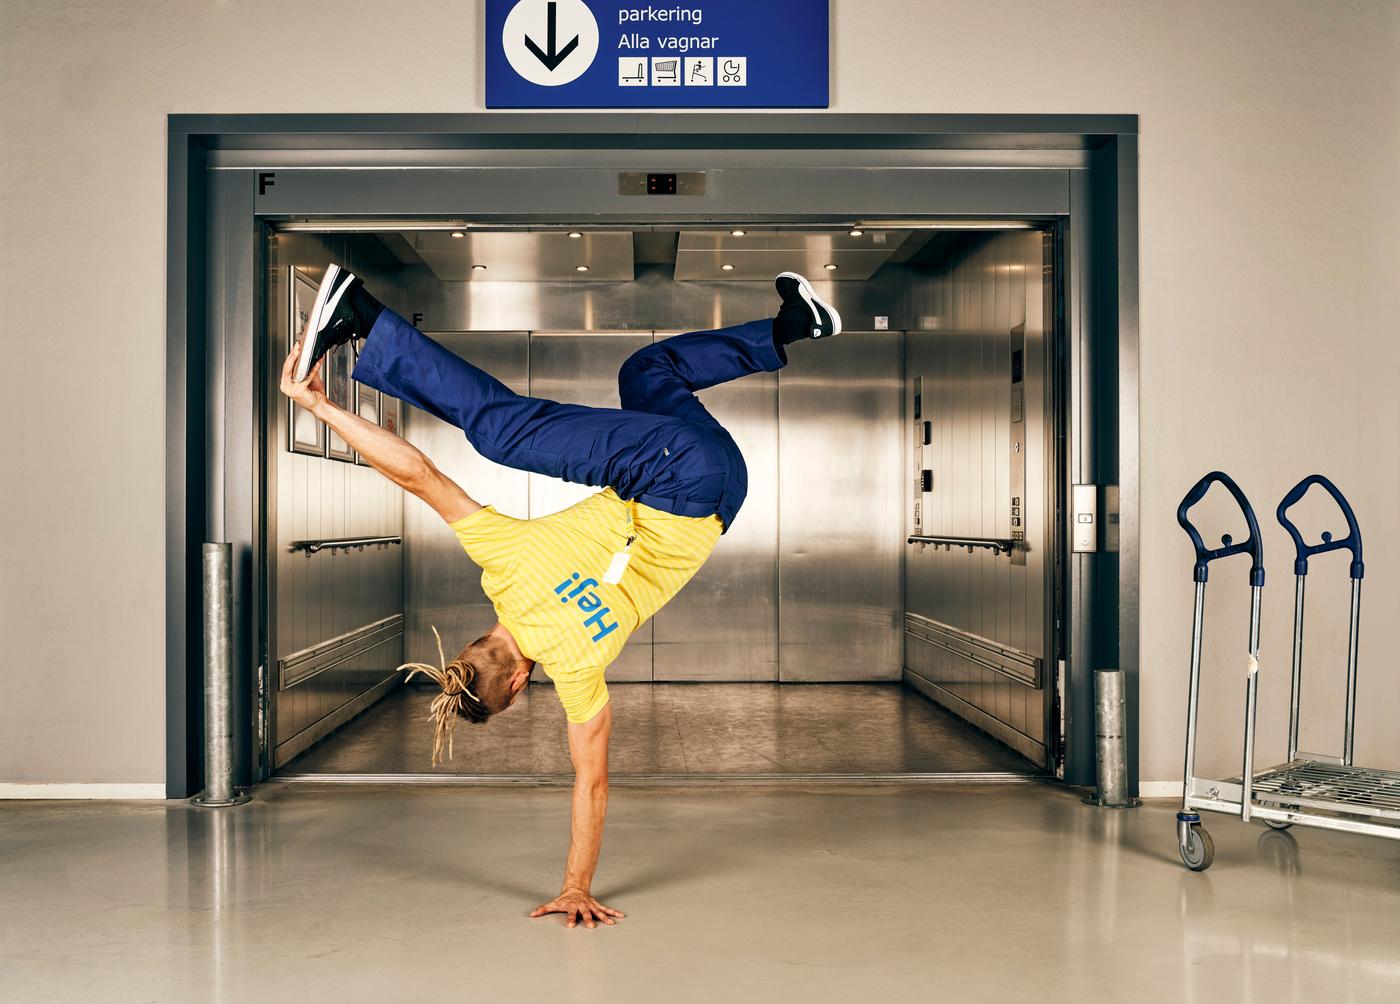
(218, 680)
(1110, 748)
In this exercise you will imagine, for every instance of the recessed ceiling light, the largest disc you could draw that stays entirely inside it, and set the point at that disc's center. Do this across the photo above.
(581, 268)
(478, 268)
(831, 268)
(727, 268)
(737, 233)
(458, 234)
(857, 233)
(575, 233)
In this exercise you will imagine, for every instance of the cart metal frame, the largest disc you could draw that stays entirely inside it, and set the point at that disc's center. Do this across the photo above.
(1308, 789)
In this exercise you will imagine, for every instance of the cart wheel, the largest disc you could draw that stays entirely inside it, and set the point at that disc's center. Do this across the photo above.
(1271, 824)
(1199, 850)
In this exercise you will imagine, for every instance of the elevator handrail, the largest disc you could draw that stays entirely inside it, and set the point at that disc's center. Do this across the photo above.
(312, 546)
(1000, 545)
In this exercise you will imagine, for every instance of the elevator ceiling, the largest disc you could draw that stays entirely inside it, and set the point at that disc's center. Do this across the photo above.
(518, 256)
(761, 254)
(694, 255)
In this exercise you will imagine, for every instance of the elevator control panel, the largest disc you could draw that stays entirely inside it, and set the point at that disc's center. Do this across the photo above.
(1017, 517)
(923, 455)
(1084, 507)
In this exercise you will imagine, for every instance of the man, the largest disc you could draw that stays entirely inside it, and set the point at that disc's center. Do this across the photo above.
(570, 588)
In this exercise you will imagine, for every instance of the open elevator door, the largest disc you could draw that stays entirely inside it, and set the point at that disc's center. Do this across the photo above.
(983, 576)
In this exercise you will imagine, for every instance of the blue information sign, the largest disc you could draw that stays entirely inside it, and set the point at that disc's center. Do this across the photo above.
(663, 54)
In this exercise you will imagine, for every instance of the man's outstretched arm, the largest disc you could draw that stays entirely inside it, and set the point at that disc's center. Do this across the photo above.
(588, 746)
(395, 458)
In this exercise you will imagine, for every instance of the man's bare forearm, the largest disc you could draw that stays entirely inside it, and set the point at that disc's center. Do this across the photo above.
(391, 455)
(387, 453)
(590, 810)
(588, 746)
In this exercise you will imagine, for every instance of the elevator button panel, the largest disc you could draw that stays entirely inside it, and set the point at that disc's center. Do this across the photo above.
(1084, 528)
(1018, 437)
(923, 476)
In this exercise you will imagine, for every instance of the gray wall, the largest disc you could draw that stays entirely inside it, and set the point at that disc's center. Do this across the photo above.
(324, 601)
(1238, 316)
(986, 286)
(805, 586)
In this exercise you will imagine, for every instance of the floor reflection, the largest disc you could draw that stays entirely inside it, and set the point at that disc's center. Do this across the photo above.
(680, 728)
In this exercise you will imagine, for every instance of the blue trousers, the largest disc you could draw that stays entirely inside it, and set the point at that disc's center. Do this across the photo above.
(661, 448)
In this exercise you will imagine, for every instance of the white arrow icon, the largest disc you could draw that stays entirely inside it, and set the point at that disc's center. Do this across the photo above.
(550, 42)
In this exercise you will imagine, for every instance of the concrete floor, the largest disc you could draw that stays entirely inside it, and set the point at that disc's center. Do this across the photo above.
(680, 729)
(881, 893)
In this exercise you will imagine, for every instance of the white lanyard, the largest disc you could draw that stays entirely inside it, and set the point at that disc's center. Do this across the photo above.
(621, 558)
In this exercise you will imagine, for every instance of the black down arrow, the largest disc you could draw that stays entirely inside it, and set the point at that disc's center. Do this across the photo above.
(551, 58)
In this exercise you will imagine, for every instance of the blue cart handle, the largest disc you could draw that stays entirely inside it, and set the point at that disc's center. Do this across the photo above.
(1352, 541)
(1254, 546)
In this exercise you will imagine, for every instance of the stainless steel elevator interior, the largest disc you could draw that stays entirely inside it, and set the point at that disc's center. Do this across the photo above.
(816, 641)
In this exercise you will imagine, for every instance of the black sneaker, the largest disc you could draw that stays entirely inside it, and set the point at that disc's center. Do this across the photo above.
(804, 314)
(332, 321)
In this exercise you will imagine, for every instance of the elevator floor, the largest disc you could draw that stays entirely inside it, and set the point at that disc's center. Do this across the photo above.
(731, 729)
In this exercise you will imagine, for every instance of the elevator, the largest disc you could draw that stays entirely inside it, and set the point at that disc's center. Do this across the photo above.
(816, 625)
(902, 583)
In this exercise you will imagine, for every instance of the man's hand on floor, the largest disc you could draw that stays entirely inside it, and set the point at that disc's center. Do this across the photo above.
(577, 905)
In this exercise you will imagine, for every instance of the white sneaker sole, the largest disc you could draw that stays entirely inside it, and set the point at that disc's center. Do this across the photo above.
(813, 301)
(326, 302)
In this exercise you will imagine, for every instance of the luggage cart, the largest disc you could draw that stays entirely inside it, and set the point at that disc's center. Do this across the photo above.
(1309, 789)
(1197, 848)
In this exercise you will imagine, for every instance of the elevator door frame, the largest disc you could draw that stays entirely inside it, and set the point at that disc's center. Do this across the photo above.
(231, 178)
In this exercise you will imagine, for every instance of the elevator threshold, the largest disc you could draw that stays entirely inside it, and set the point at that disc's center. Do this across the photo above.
(670, 780)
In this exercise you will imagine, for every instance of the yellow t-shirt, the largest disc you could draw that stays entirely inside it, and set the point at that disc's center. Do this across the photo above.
(545, 577)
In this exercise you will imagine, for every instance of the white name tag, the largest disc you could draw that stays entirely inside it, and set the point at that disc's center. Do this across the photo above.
(618, 566)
